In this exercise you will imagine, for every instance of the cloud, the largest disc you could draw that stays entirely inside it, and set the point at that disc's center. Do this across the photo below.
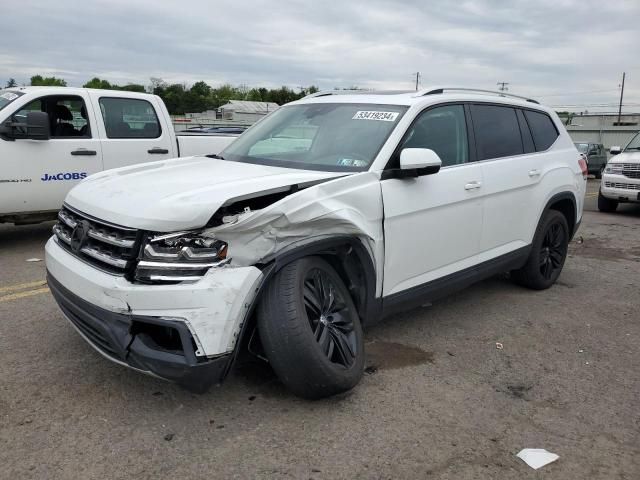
(564, 51)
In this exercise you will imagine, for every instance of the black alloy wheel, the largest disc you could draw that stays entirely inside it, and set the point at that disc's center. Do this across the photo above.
(329, 318)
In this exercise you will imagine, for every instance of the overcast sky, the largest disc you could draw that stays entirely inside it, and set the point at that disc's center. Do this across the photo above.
(565, 52)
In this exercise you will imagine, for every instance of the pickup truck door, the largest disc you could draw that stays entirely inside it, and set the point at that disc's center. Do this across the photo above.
(36, 175)
(432, 224)
(133, 129)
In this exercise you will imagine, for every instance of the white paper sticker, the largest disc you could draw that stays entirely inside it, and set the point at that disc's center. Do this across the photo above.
(9, 96)
(373, 115)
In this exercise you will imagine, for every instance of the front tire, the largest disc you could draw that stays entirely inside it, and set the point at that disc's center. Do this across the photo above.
(600, 172)
(606, 205)
(310, 329)
(548, 253)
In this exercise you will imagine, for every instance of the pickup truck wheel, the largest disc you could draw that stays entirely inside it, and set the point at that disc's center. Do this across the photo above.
(606, 205)
(600, 172)
(310, 329)
(548, 253)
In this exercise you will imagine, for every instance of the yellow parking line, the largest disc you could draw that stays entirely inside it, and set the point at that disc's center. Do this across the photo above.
(28, 293)
(22, 286)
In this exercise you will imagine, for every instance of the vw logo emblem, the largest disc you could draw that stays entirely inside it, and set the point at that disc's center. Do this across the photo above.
(79, 235)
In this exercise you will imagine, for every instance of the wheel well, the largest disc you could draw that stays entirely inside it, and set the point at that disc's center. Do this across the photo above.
(568, 209)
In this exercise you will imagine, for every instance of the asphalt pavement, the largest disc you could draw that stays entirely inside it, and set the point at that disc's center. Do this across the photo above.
(454, 390)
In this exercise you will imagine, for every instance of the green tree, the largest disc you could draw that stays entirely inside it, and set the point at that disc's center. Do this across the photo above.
(39, 81)
(11, 83)
(95, 82)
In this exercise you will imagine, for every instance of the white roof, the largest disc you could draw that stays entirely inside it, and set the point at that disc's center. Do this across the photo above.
(435, 94)
(243, 106)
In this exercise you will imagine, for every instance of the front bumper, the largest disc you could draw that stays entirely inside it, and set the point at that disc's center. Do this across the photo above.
(620, 188)
(123, 321)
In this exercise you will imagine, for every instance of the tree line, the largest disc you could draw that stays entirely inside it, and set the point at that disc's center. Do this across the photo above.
(181, 98)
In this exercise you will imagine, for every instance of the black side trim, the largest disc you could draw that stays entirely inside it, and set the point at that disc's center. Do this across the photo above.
(444, 286)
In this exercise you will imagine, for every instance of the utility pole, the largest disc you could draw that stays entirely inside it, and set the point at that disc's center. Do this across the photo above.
(621, 94)
(417, 80)
(503, 86)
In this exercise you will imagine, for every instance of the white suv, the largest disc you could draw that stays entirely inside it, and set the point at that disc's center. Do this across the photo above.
(329, 214)
(621, 177)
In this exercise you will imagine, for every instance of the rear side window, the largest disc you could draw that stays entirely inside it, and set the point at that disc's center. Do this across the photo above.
(129, 118)
(542, 128)
(497, 131)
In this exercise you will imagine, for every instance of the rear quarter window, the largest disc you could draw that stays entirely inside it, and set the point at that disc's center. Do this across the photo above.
(543, 130)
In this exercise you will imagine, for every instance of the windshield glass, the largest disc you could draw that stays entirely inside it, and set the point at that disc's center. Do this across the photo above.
(582, 147)
(8, 96)
(318, 136)
(634, 144)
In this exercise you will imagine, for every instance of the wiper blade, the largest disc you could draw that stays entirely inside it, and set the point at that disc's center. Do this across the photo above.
(217, 157)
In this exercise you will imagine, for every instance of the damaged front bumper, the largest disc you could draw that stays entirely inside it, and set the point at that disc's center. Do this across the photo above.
(185, 333)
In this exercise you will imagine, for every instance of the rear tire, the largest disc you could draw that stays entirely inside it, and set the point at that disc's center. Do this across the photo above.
(606, 205)
(548, 253)
(310, 329)
(599, 173)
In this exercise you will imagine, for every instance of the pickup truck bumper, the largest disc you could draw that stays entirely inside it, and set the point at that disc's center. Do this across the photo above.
(620, 188)
(186, 333)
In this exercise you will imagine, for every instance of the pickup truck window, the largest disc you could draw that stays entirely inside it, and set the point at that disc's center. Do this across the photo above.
(129, 118)
(67, 115)
(8, 96)
(318, 136)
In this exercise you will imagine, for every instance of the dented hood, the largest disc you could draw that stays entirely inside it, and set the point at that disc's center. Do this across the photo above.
(179, 194)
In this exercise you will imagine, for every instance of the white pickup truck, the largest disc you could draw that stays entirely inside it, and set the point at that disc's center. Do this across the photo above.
(53, 137)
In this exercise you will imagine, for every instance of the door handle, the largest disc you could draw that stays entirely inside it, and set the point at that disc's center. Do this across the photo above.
(157, 150)
(534, 173)
(84, 151)
(472, 185)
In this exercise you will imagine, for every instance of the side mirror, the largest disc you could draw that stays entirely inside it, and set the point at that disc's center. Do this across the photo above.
(615, 150)
(34, 126)
(38, 126)
(415, 162)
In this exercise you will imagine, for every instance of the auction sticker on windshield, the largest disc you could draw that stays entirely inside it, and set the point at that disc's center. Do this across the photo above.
(373, 115)
(9, 96)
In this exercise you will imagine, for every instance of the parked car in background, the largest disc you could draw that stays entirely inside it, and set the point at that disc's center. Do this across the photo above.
(596, 156)
(329, 214)
(621, 177)
(53, 137)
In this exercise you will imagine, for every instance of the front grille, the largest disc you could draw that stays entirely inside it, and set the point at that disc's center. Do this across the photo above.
(631, 170)
(109, 247)
(625, 186)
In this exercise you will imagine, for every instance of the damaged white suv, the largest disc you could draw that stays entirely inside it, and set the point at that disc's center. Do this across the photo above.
(329, 214)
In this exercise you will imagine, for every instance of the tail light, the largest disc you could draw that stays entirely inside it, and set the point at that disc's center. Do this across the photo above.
(582, 161)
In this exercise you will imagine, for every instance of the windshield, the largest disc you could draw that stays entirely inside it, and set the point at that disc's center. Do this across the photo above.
(582, 147)
(318, 136)
(8, 96)
(634, 144)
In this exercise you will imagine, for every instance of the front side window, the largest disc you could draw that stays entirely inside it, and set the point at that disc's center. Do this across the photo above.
(497, 131)
(542, 128)
(8, 96)
(129, 118)
(67, 115)
(582, 147)
(318, 136)
(443, 130)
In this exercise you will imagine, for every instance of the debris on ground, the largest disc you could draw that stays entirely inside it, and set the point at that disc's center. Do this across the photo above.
(168, 437)
(33, 259)
(499, 346)
(537, 457)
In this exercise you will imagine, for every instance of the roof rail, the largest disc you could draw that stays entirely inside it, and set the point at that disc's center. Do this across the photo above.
(438, 90)
(325, 93)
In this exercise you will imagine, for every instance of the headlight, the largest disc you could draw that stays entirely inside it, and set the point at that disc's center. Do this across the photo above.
(179, 257)
(615, 168)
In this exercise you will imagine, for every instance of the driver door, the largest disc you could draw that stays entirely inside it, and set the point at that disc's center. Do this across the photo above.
(433, 223)
(40, 173)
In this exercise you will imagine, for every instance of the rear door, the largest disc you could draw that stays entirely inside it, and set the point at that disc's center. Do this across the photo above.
(432, 224)
(36, 175)
(510, 176)
(133, 130)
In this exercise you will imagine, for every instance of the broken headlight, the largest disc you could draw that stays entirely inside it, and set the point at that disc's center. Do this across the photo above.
(179, 257)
